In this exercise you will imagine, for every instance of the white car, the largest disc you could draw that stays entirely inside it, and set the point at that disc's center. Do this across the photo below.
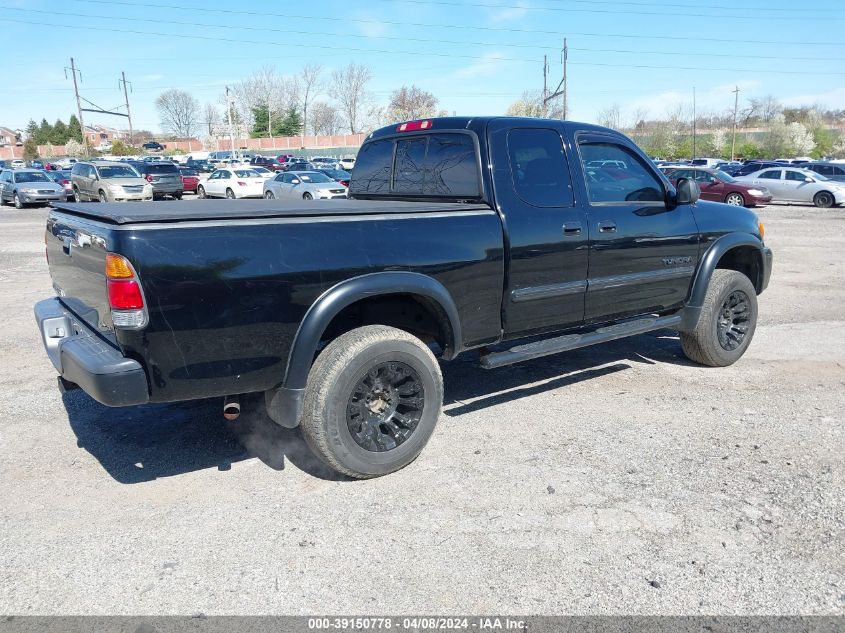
(18, 164)
(232, 182)
(346, 163)
(797, 185)
(263, 171)
(307, 185)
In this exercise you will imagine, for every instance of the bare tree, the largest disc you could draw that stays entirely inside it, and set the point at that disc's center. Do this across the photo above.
(411, 103)
(349, 88)
(179, 112)
(611, 117)
(310, 85)
(325, 119)
(212, 117)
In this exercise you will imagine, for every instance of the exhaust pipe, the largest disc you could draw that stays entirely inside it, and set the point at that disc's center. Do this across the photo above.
(231, 407)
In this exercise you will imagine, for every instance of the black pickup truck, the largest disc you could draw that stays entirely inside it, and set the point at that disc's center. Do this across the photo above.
(463, 233)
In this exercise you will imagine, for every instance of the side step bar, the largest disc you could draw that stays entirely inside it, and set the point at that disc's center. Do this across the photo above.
(568, 342)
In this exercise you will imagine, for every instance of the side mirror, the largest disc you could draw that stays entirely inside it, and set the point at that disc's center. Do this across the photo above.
(688, 191)
(808, 179)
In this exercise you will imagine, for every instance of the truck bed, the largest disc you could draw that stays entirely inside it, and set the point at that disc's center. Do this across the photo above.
(196, 210)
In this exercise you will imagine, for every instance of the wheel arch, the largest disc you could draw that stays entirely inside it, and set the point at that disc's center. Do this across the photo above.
(284, 404)
(741, 252)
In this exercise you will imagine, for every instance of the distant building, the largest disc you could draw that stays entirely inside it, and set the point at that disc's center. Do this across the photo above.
(100, 135)
(10, 137)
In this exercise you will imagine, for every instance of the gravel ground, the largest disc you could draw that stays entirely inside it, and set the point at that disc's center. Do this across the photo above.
(616, 479)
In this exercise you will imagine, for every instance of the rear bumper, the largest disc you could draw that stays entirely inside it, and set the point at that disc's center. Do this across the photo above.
(83, 358)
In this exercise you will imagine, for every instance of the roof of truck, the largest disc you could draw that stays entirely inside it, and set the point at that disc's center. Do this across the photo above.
(198, 210)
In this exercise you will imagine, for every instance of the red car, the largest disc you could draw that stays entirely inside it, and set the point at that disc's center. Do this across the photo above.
(268, 162)
(190, 179)
(720, 187)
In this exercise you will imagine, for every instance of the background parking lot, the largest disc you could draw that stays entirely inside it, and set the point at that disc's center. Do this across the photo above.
(615, 479)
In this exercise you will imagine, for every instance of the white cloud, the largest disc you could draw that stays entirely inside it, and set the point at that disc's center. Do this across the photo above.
(371, 28)
(510, 14)
(489, 64)
(154, 77)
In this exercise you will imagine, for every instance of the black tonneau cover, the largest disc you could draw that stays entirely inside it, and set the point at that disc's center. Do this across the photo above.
(193, 210)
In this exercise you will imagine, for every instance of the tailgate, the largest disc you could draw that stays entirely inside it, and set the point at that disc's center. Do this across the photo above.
(76, 250)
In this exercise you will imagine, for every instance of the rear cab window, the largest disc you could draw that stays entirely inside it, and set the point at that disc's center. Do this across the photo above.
(441, 164)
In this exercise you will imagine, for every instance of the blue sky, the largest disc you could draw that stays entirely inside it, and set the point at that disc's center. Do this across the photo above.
(476, 56)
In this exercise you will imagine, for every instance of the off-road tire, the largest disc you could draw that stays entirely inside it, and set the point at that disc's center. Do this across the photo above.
(331, 382)
(702, 344)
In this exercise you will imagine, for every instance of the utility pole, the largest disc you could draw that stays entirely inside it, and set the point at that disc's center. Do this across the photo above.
(128, 113)
(73, 72)
(545, 84)
(736, 108)
(565, 86)
(229, 117)
(693, 124)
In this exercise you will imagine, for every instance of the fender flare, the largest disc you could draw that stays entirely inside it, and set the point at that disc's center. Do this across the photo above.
(284, 404)
(698, 290)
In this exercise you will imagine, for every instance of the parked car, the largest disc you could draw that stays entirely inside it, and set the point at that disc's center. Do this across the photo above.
(705, 162)
(36, 164)
(798, 185)
(340, 175)
(720, 187)
(268, 162)
(347, 163)
(153, 146)
(202, 166)
(754, 165)
(307, 185)
(65, 163)
(333, 313)
(18, 163)
(61, 177)
(298, 165)
(164, 176)
(232, 182)
(190, 179)
(263, 171)
(28, 186)
(829, 170)
(108, 182)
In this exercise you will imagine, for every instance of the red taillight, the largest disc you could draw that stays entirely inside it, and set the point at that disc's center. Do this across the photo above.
(125, 295)
(242, 183)
(345, 183)
(410, 126)
(148, 178)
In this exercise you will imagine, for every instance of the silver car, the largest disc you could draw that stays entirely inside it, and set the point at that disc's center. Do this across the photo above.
(308, 185)
(108, 182)
(29, 186)
(798, 185)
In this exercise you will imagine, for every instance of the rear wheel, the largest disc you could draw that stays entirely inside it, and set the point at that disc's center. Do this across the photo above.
(269, 195)
(230, 194)
(823, 199)
(307, 196)
(102, 196)
(177, 195)
(727, 322)
(201, 192)
(373, 399)
(735, 199)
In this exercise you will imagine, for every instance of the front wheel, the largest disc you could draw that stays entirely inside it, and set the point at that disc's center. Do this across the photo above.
(823, 199)
(201, 192)
(102, 196)
(77, 197)
(727, 322)
(307, 196)
(735, 199)
(230, 194)
(373, 399)
(17, 201)
(269, 195)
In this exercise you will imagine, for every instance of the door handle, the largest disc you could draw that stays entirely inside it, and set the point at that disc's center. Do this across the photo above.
(572, 228)
(607, 226)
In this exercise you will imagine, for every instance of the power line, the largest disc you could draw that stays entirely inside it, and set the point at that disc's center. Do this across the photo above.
(532, 32)
(415, 39)
(421, 53)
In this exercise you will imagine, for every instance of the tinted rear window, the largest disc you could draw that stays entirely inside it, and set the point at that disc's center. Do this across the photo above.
(430, 165)
(162, 169)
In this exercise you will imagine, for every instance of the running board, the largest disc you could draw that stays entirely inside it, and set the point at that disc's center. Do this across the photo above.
(568, 342)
